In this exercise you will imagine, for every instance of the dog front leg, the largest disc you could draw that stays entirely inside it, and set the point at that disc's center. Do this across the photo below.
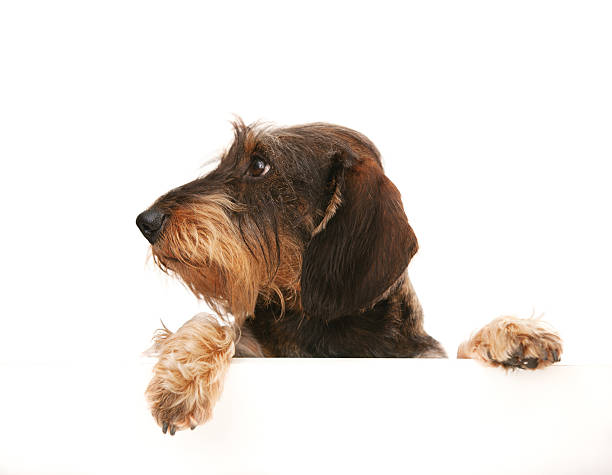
(189, 374)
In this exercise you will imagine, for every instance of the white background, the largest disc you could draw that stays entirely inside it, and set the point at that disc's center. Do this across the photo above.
(494, 120)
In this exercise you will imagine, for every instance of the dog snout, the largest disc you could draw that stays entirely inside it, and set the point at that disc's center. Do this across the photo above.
(151, 223)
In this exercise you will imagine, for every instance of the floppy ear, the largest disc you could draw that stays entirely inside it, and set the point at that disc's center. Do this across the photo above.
(359, 251)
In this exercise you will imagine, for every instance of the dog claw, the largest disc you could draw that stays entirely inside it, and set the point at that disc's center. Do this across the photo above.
(193, 427)
(172, 429)
(556, 356)
(165, 427)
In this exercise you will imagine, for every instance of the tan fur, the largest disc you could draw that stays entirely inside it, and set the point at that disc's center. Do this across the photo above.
(205, 248)
(188, 377)
(284, 284)
(506, 338)
(332, 207)
(202, 246)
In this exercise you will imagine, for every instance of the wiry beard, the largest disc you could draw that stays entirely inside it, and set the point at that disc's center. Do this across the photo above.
(226, 264)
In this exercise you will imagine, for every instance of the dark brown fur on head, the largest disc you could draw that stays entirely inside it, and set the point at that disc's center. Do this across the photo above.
(321, 231)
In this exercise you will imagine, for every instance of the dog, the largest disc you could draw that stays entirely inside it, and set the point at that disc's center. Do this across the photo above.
(300, 244)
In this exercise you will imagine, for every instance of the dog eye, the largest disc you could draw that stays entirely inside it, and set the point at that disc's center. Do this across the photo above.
(258, 168)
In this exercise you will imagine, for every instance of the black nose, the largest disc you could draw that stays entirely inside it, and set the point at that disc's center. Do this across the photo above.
(151, 223)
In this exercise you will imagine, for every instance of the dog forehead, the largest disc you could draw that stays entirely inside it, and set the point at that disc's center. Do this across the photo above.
(301, 156)
(283, 147)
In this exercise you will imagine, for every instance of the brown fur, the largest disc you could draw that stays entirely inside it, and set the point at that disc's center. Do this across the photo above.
(301, 241)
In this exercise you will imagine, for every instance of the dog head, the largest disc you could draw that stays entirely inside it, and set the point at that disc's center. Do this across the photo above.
(303, 215)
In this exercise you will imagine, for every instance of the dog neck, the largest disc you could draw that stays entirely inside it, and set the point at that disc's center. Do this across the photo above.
(401, 290)
(393, 325)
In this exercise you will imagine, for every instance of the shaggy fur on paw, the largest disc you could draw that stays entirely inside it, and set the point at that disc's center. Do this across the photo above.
(513, 342)
(189, 374)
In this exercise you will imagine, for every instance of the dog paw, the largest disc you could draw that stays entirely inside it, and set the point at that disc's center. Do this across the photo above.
(177, 411)
(189, 374)
(523, 356)
(512, 342)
